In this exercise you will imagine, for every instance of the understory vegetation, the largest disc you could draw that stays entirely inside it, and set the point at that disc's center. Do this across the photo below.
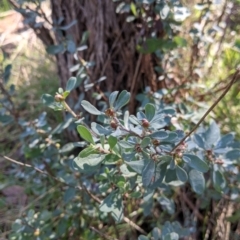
(120, 120)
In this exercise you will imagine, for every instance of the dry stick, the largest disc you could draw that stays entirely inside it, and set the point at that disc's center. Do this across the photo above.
(96, 199)
(101, 234)
(236, 74)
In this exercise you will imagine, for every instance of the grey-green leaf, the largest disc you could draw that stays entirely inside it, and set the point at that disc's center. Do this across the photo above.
(99, 129)
(148, 172)
(233, 154)
(181, 174)
(90, 108)
(199, 141)
(71, 84)
(137, 166)
(150, 111)
(212, 135)
(47, 99)
(197, 181)
(196, 163)
(112, 98)
(85, 133)
(219, 180)
(122, 100)
(145, 142)
(171, 236)
(112, 141)
(159, 135)
(107, 204)
(89, 163)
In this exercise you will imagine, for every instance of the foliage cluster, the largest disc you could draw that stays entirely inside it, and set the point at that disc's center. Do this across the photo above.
(139, 175)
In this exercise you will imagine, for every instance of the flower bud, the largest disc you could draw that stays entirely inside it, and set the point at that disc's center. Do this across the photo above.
(113, 124)
(110, 112)
(145, 123)
(155, 142)
(59, 98)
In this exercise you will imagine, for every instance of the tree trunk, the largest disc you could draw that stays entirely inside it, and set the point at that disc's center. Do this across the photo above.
(111, 44)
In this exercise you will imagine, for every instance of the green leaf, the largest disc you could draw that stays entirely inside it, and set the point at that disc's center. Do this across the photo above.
(181, 174)
(199, 141)
(6, 119)
(99, 129)
(87, 151)
(133, 9)
(164, 11)
(171, 176)
(112, 141)
(113, 203)
(111, 158)
(71, 46)
(224, 141)
(71, 84)
(125, 144)
(7, 73)
(122, 100)
(85, 133)
(150, 111)
(172, 136)
(233, 154)
(137, 166)
(65, 94)
(196, 163)
(102, 140)
(55, 49)
(197, 181)
(212, 135)
(68, 26)
(167, 204)
(181, 42)
(70, 146)
(90, 108)
(159, 135)
(153, 44)
(117, 212)
(148, 173)
(90, 163)
(69, 194)
(171, 236)
(112, 98)
(156, 233)
(145, 142)
(219, 181)
(47, 99)
(108, 204)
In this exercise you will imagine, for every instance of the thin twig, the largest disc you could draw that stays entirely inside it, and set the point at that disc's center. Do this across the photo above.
(234, 78)
(191, 205)
(95, 198)
(102, 234)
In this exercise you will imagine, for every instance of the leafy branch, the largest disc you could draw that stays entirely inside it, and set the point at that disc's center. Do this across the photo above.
(233, 80)
(95, 198)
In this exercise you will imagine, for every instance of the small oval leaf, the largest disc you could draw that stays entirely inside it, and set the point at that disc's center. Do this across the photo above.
(122, 100)
(150, 111)
(196, 163)
(85, 133)
(90, 108)
(197, 181)
(71, 84)
(181, 174)
(112, 98)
